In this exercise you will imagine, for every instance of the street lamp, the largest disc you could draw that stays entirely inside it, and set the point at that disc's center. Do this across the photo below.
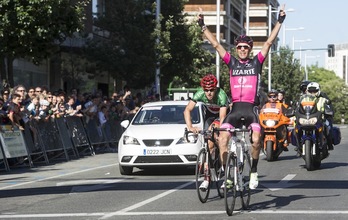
(293, 41)
(302, 41)
(217, 56)
(270, 11)
(306, 72)
(290, 29)
(158, 70)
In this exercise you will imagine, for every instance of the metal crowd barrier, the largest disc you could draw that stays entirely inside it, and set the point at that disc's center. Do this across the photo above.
(66, 137)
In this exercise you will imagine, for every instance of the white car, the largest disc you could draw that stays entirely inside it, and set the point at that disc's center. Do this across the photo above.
(155, 137)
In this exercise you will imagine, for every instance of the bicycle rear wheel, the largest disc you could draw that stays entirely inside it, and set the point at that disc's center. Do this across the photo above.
(202, 173)
(230, 192)
(245, 173)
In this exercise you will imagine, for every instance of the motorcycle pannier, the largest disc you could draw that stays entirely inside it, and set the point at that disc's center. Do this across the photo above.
(336, 133)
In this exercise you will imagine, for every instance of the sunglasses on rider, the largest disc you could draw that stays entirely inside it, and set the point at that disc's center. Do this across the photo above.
(209, 90)
(246, 47)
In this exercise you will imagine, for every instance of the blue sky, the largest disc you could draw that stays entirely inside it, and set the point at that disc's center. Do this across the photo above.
(324, 22)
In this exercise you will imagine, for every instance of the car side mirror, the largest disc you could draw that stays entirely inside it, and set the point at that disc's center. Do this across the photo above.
(125, 123)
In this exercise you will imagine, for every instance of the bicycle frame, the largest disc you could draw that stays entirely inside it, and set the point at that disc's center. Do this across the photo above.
(206, 166)
(238, 153)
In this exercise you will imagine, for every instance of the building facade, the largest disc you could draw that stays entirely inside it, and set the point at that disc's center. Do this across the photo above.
(234, 22)
(339, 62)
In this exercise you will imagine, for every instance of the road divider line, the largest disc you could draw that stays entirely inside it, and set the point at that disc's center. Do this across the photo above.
(145, 202)
(200, 212)
(56, 176)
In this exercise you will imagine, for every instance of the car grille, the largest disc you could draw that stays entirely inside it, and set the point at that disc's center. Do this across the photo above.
(158, 159)
(158, 142)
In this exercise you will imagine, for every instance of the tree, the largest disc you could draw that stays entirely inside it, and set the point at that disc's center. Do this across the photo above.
(334, 87)
(286, 73)
(34, 29)
(130, 52)
(126, 48)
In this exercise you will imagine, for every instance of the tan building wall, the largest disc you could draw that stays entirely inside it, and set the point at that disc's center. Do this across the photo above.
(233, 19)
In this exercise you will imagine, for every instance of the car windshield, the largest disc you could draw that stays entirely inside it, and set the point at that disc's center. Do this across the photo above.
(166, 114)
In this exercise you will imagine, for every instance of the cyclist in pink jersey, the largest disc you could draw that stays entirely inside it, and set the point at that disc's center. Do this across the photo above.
(245, 74)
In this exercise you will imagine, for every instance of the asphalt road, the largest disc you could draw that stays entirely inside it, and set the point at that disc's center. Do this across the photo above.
(92, 188)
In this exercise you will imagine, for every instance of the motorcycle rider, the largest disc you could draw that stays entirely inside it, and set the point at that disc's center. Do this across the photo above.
(273, 102)
(281, 97)
(216, 101)
(303, 87)
(245, 74)
(323, 103)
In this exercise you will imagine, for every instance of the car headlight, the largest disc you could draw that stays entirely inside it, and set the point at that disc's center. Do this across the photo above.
(192, 139)
(270, 123)
(130, 140)
(311, 121)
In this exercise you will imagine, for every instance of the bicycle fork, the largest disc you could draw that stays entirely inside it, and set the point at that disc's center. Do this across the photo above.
(237, 170)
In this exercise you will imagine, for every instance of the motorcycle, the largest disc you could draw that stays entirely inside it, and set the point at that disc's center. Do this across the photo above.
(309, 132)
(270, 119)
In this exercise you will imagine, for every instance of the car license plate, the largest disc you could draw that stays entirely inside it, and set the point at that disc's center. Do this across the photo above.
(157, 151)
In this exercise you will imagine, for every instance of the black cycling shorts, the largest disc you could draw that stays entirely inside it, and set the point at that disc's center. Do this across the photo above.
(244, 110)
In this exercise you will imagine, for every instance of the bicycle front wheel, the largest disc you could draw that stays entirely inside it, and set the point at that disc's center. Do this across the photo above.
(202, 173)
(245, 174)
(230, 192)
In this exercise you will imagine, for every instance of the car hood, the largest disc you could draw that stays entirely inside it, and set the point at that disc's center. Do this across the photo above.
(156, 131)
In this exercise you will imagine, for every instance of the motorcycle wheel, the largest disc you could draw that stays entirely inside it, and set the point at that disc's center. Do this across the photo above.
(269, 151)
(308, 155)
(317, 159)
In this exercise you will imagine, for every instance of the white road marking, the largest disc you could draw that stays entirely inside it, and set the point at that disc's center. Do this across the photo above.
(282, 184)
(200, 212)
(56, 176)
(145, 202)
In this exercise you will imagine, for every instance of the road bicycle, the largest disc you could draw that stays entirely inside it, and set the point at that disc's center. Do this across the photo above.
(208, 166)
(237, 169)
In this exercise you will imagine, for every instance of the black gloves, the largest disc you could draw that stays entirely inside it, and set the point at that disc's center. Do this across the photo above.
(281, 18)
(201, 21)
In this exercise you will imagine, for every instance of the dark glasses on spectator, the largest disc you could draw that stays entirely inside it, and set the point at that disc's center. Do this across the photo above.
(246, 47)
(272, 97)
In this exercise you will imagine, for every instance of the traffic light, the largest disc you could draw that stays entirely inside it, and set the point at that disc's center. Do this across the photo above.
(331, 50)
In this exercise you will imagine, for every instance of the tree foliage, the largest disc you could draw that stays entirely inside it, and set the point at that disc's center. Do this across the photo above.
(136, 44)
(35, 28)
(286, 73)
(334, 87)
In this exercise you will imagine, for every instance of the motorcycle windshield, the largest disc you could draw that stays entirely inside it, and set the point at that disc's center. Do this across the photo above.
(308, 104)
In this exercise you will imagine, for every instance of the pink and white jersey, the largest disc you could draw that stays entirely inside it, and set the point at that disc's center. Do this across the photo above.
(245, 77)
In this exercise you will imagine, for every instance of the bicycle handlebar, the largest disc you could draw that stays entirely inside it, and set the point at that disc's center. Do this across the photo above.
(205, 132)
(231, 130)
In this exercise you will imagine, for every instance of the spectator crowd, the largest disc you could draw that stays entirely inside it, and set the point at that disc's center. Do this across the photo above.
(19, 105)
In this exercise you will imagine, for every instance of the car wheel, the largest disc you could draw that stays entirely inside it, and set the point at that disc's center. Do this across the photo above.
(126, 170)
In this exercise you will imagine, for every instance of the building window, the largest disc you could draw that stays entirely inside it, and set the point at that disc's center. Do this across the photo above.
(235, 14)
(344, 67)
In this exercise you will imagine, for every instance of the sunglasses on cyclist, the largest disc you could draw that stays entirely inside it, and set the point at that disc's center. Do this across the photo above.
(246, 47)
(209, 90)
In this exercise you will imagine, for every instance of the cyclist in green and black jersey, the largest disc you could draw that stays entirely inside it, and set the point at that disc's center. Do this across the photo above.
(216, 103)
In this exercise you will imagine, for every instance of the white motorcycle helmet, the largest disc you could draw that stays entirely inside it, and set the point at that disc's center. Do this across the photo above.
(313, 88)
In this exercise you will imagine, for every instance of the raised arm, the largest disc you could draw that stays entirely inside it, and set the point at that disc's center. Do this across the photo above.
(211, 38)
(267, 45)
